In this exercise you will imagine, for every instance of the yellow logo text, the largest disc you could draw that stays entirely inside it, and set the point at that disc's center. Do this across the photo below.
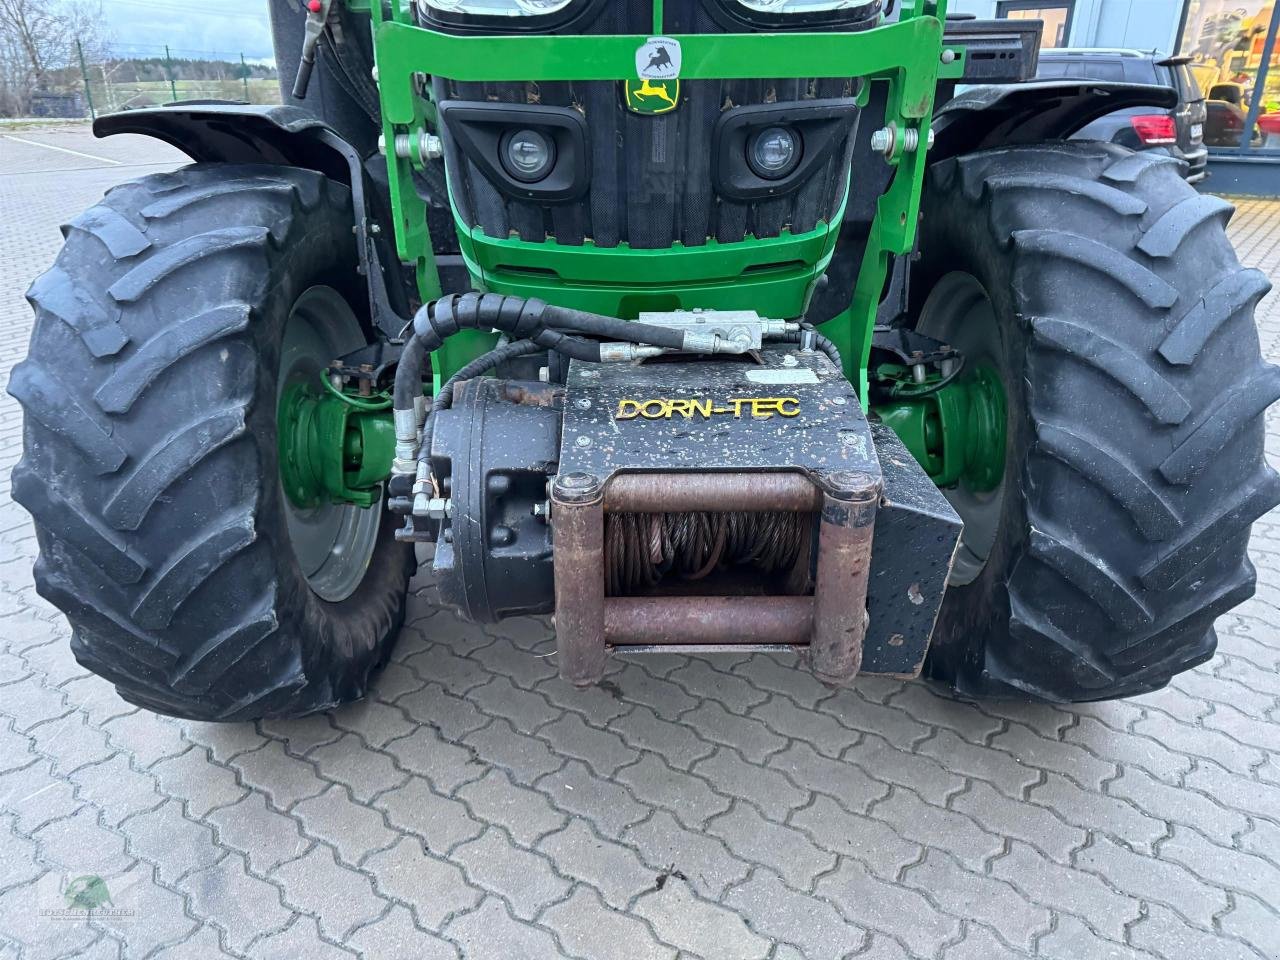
(668, 409)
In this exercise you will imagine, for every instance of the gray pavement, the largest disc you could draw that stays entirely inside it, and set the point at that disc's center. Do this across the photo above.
(699, 807)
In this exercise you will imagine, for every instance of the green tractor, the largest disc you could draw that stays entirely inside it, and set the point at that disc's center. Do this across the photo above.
(702, 324)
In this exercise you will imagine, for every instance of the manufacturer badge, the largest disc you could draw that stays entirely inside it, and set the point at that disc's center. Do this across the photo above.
(653, 96)
(658, 58)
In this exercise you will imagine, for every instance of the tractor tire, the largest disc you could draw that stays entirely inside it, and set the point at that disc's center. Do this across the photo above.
(150, 459)
(1122, 326)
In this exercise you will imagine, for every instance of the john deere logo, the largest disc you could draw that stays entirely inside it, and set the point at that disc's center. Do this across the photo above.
(653, 96)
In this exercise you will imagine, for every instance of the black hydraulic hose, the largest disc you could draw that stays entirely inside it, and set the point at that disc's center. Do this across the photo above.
(551, 328)
(820, 342)
(613, 328)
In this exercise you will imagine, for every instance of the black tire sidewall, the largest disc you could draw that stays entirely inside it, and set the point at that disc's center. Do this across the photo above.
(337, 642)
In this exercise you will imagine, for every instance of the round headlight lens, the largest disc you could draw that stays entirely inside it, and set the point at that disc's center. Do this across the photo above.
(528, 155)
(773, 152)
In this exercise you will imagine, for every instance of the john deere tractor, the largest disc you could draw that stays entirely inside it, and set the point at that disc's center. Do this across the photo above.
(791, 325)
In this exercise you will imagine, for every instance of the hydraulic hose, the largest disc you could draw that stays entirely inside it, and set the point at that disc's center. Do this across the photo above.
(552, 328)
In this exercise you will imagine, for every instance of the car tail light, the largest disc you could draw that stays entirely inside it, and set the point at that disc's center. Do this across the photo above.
(1155, 129)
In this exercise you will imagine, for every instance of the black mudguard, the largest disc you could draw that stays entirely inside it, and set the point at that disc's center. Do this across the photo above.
(1034, 112)
(215, 132)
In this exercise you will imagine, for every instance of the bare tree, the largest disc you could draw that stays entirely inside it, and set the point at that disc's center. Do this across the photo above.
(37, 40)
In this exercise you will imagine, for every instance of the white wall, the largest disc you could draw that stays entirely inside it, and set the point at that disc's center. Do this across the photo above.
(1142, 24)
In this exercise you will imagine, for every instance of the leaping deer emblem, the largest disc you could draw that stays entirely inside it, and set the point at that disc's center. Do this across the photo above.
(647, 89)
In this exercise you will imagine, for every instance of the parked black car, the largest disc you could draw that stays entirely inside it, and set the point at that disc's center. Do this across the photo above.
(1179, 132)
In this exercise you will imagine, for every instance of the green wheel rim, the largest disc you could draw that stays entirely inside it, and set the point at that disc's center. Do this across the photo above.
(332, 542)
(959, 312)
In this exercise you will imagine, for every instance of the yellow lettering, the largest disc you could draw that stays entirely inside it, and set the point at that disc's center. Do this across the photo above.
(654, 409)
(665, 409)
(682, 407)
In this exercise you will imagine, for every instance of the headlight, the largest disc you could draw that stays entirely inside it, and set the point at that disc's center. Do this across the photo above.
(799, 6)
(500, 8)
(528, 155)
(773, 152)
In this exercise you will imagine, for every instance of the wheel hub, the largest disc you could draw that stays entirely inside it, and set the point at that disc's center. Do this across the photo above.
(332, 456)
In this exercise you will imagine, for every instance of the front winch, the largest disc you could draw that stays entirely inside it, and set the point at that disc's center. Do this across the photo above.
(689, 504)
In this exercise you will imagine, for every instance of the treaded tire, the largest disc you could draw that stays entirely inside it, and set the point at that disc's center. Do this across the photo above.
(150, 460)
(1136, 394)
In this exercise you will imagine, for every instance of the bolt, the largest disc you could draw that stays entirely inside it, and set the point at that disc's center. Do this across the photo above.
(544, 374)
(948, 56)
(430, 147)
(375, 229)
(374, 73)
(839, 401)
(583, 441)
(382, 144)
(582, 403)
(576, 487)
(882, 140)
(542, 508)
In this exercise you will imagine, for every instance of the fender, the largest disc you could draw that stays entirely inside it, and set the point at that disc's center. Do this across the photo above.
(213, 132)
(1034, 112)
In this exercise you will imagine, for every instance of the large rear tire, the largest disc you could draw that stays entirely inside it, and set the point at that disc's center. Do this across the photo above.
(164, 332)
(1104, 290)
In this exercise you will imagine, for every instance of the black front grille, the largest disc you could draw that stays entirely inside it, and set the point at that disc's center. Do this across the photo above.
(651, 176)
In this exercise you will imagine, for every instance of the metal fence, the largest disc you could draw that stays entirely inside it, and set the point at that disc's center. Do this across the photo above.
(128, 77)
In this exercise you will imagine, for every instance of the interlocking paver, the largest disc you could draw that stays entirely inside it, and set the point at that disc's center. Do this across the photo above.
(240, 905)
(349, 826)
(767, 790)
(604, 819)
(490, 933)
(524, 758)
(300, 939)
(200, 785)
(527, 881)
(691, 799)
(704, 860)
(615, 871)
(1084, 894)
(526, 814)
(165, 837)
(602, 750)
(926, 824)
(267, 837)
(395, 935)
(441, 822)
(432, 888)
(1152, 879)
(592, 930)
(606, 804)
(1163, 932)
(365, 771)
(886, 906)
(342, 898)
(993, 903)
(692, 924)
(810, 923)
(873, 842)
(784, 849)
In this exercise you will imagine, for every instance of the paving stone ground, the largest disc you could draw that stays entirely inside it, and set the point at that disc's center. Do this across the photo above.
(694, 807)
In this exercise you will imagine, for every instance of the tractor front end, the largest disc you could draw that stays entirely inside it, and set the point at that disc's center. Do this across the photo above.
(630, 161)
(699, 324)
